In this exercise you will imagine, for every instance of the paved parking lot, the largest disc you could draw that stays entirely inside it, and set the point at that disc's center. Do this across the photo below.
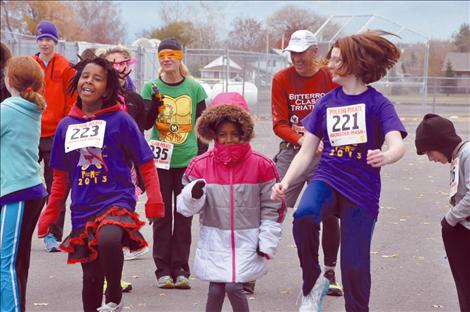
(409, 268)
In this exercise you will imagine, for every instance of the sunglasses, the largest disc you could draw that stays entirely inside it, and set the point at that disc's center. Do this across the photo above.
(123, 63)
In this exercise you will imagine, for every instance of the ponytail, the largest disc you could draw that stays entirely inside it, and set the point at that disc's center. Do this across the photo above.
(26, 76)
(35, 97)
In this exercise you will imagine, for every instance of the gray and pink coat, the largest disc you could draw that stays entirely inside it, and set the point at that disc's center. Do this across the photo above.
(237, 214)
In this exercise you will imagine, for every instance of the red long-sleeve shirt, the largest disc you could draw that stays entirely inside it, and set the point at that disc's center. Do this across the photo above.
(294, 97)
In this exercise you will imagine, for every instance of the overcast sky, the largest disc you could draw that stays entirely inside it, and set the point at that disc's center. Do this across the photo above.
(434, 19)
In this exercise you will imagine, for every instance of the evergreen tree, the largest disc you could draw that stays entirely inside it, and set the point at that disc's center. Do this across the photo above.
(449, 85)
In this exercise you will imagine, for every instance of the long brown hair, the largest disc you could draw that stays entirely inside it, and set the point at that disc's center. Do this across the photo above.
(367, 55)
(26, 76)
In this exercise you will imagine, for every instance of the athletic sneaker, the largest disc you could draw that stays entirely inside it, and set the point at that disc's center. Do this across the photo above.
(131, 255)
(166, 282)
(312, 302)
(126, 286)
(111, 307)
(182, 282)
(51, 244)
(335, 288)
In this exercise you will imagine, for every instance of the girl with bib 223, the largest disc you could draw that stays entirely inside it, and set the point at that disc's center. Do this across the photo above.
(91, 153)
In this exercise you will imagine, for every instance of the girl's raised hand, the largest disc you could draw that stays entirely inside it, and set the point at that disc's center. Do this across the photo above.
(278, 191)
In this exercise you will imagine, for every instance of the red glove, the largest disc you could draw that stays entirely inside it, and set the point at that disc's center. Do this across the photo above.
(56, 202)
(154, 207)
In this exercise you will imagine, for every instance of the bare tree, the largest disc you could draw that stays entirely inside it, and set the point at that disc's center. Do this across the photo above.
(93, 21)
(102, 21)
(192, 23)
(282, 23)
(247, 34)
(461, 38)
(438, 50)
(181, 31)
(23, 16)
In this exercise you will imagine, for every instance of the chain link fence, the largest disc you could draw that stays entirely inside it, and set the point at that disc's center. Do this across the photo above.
(250, 74)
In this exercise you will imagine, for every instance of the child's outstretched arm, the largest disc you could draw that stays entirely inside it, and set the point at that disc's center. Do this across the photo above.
(192, 198)
(272, 216)
(59, 191)
(154, 207)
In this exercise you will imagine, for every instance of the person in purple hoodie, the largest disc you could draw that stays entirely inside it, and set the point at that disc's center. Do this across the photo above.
(353, 121)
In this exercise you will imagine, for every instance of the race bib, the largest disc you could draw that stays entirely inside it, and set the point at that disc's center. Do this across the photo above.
(454, 177)
(346, 125)
(89, 134)
(162, 152)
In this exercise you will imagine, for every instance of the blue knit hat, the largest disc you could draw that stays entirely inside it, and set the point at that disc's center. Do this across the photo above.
(47, 29)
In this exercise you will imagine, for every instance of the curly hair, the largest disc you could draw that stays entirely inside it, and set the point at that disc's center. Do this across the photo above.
(214, 116)
(113, 86)
(367, 55)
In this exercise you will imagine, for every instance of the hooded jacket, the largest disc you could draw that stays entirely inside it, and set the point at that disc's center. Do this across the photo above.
(57, 77)
(100, 177)
(20, 126)
(237, 215)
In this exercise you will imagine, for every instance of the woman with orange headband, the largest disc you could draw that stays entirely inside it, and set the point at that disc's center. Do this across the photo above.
(174, 143)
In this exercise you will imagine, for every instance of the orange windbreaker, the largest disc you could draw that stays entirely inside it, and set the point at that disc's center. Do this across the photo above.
(58, 75)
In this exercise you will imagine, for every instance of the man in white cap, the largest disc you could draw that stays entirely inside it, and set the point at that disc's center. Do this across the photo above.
(295, 90)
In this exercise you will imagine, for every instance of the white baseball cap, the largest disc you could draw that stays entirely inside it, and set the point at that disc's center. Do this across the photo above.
(301, 40)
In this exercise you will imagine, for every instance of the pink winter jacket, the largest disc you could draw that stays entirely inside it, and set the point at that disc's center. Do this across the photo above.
(237, 214)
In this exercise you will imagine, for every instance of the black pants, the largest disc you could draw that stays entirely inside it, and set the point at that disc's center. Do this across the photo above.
(457, 243)
(45, 146)
(108, 265)
(172, 234)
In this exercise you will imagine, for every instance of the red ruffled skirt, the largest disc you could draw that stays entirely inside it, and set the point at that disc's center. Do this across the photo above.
(82, 244)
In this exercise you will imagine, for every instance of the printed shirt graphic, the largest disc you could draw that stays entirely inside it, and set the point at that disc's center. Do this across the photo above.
(345, 167)
(176, 118)
(100, 177)
(294, 97)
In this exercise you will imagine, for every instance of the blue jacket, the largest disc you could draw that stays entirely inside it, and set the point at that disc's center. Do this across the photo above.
(19, 141)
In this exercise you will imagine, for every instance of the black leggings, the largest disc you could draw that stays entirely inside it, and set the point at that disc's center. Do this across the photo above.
(108, 265)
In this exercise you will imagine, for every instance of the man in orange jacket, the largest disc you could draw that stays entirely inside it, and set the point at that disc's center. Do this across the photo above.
(58, 73)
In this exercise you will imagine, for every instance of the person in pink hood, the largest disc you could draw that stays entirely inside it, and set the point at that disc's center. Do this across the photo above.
(229, 186)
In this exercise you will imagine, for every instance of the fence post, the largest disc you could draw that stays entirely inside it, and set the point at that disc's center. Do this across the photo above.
(228, 68)
(141, 67)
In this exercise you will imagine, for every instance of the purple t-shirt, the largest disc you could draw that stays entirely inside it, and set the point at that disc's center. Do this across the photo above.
(345, 167)
(100, 177)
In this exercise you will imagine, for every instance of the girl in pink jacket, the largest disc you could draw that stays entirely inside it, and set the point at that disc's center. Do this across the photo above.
(230, 186)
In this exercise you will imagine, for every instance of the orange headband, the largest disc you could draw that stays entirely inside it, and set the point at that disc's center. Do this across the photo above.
(174, 54)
